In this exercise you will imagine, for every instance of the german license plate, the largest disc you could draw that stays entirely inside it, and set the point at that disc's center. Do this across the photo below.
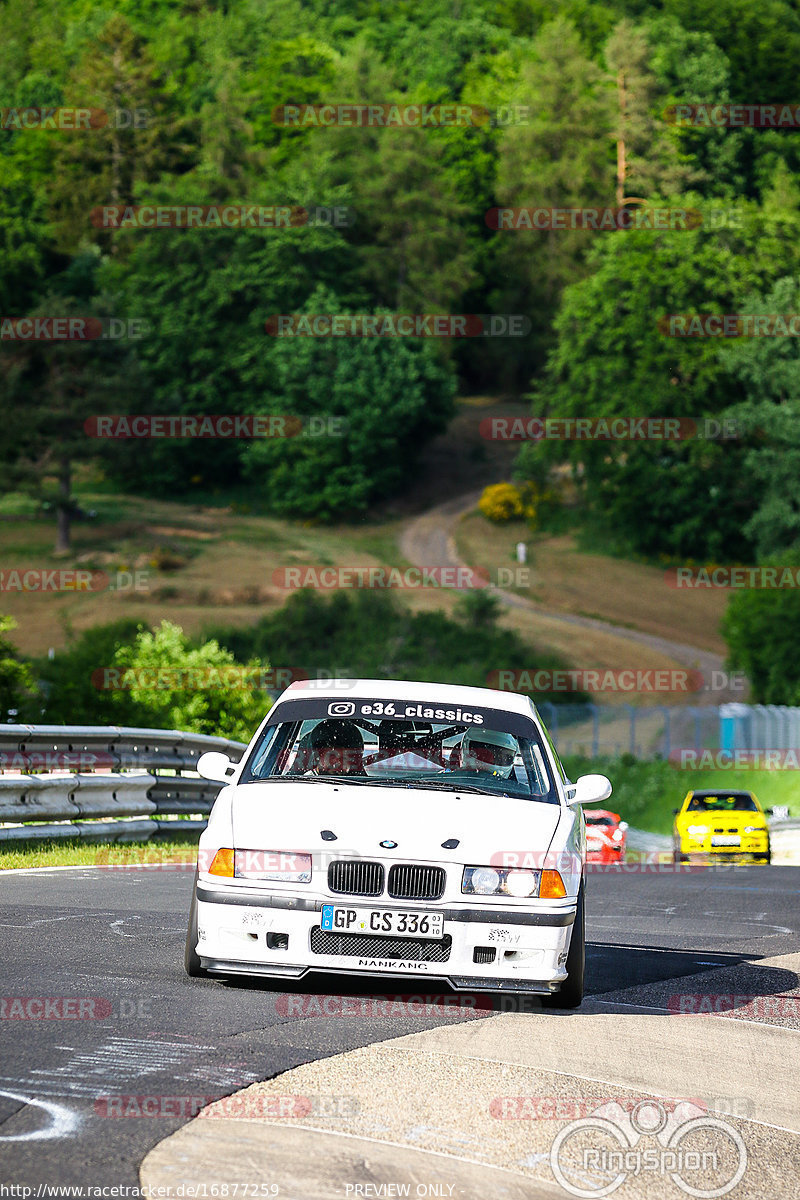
(337, 918)
(726, 841)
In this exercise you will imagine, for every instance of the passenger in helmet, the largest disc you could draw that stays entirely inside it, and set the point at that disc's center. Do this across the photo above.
(489, 751)
(337, 749)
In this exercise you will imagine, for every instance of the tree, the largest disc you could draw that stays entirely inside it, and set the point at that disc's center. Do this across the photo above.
(690, 68)
(206, 295)
(201, 689)
(612, 360)
(74, 681)
(768, 370)
(559, 156)
(16, 679)
(390, 396)
(761, 628)
(49, 389)
(648, 156)
(144, 134)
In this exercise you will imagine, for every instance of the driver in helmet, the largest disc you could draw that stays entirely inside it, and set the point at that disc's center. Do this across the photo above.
(337, 748)
(489, 752)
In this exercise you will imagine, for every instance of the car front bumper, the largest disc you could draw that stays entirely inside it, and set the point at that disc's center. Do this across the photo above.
(751, 848)
(255, 932)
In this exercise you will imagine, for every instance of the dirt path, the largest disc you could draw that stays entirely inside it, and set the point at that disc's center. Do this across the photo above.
(429, 540)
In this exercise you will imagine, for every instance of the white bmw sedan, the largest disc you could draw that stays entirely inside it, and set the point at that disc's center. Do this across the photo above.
(387, 828)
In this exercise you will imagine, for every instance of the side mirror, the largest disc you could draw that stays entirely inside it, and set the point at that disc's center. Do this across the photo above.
(216, 766)
(590, 789)
(675, 812)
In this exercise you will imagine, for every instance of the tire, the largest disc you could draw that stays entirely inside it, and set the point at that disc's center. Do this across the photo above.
(570, 994)
(191, 959)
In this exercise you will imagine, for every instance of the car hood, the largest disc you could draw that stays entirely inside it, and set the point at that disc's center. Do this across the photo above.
(289, 816)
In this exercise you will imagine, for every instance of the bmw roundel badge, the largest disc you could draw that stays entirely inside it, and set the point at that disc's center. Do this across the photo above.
(389, 844)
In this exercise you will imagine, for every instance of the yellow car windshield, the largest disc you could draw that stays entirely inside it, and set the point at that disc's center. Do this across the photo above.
(724, 803)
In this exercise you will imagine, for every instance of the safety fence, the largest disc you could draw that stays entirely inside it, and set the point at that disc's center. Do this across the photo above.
(664, 731)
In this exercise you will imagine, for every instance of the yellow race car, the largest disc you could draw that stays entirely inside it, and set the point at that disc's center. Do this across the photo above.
(723, 825)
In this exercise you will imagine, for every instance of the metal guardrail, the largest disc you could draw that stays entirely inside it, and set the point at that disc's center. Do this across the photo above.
(785, 838)
(90, 781)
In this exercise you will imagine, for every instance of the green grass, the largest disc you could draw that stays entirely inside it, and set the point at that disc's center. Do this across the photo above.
(74, 852)
(645, 793)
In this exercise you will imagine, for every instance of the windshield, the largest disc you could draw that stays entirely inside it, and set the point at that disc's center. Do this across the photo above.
(590, 820)
(499, 754)
(730, 802)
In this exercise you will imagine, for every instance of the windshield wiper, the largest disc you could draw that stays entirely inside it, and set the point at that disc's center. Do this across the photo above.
(457, 787)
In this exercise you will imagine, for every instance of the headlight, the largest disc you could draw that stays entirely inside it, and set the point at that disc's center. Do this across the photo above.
(754, 829)
(280, 866)
(616, 835)
(482, 881)
(697, 830)
(522, 883)
(511, 881)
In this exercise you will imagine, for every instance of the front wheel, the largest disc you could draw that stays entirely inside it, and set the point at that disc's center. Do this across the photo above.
(191, 959)
(570, 994)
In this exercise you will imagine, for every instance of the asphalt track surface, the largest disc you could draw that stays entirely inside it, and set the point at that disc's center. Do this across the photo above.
(115, 937)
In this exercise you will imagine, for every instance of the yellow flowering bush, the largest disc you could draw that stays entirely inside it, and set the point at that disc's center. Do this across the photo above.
(507, 502)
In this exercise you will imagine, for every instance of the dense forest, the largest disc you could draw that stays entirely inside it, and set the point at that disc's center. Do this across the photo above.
(570, 105)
